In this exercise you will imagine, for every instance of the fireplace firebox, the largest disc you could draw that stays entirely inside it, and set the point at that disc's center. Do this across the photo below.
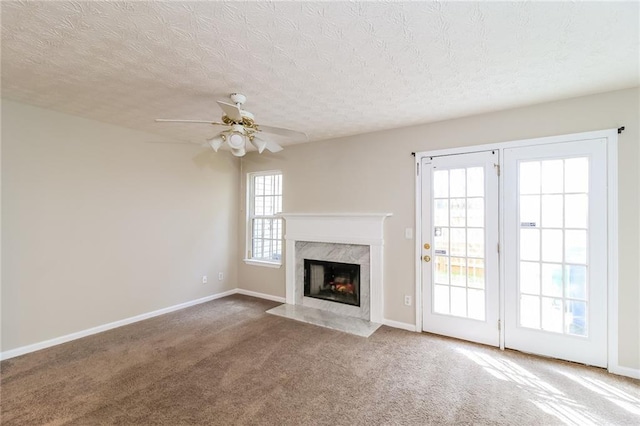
(333, 281)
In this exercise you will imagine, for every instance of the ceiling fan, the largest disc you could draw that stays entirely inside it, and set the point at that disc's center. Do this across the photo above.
(241, 129)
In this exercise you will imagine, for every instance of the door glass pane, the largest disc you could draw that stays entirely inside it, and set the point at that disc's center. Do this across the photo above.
(575, 318)
(441, 212)
(576, 175)
(530, 177)
(475, 182)
(475, 212)
(530, 277)
(458, 212)
(552, 176)
(458, 271)
(576, 246)
(552, 245)
(441, 299)
(577, 207)
(457, 184)
(475, 273)
(530, 311)
(458, 242)
(530, 210)
(552, 314)
(441, 265)
(441, 183)
(552, 279)
(441, 241)
(459, 301)
(475, 242)
(476, 304)
(529, 244)
(552, 211)
(576, 276)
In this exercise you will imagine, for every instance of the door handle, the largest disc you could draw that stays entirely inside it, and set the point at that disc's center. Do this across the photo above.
(427, 246)
(427, 258)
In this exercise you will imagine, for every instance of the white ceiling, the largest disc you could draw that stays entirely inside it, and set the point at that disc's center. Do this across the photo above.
(328, 69)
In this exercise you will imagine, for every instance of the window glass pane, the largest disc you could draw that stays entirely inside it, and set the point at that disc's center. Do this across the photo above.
(266, 232)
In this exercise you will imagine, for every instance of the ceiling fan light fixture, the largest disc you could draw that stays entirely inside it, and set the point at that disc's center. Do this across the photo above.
(260, 144)
(216, 142)
(236, 140)
(240, 152)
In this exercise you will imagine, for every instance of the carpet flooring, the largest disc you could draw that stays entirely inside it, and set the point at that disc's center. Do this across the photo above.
(227, 362)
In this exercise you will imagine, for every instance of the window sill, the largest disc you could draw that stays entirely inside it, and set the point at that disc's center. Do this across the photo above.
(262, 263)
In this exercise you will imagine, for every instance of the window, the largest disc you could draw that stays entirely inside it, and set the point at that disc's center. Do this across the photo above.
(264, 230)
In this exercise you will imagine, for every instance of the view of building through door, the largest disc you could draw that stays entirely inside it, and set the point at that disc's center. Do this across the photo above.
(459, 252)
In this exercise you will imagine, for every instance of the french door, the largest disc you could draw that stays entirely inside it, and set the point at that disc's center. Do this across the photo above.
(556, 250)
(460, 246)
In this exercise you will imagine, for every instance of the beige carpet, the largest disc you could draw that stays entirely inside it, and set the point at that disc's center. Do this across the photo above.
(227, 362)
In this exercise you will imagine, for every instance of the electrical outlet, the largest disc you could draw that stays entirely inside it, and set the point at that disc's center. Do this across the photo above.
(204, 279)
(220, 276)
(407, 300)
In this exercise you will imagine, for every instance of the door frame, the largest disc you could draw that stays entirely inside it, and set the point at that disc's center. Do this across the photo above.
(611, 136)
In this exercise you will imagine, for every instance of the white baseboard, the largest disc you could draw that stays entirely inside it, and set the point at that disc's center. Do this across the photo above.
(398, 324)
(260, 295)
(625, 371)
(94, 330)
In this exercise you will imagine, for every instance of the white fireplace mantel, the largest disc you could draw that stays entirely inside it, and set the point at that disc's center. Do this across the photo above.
(340, 228)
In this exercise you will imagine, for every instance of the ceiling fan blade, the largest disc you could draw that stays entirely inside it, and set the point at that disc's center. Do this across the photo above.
(166, 120)
(231, 111)
(282, 132)
(273, 147)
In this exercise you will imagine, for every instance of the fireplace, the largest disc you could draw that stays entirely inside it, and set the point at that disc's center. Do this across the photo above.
(332, 281)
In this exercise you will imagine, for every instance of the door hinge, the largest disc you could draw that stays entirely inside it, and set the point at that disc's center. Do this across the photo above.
(498, 248)
(499, 325)
(497, 167)
(417, 169)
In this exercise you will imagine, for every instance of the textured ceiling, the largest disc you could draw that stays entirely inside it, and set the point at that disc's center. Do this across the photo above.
(328, 69)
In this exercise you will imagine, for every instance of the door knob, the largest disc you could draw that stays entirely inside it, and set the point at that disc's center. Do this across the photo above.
(427, 246)
(427, 258)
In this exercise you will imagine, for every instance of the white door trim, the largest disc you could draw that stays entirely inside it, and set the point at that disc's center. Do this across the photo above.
(612, 227)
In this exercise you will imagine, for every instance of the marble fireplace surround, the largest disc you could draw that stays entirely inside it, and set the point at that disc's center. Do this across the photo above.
(355, 229)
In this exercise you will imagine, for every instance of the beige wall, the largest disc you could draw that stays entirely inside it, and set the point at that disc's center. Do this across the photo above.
(375, 173)
(99, 226)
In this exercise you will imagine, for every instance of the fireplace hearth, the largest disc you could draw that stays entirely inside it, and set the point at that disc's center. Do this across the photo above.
(332, 281)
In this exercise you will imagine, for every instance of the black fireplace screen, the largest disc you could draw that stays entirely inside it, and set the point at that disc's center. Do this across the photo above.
(337, 282)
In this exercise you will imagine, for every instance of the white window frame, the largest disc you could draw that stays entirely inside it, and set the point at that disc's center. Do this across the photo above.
(249, 260)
